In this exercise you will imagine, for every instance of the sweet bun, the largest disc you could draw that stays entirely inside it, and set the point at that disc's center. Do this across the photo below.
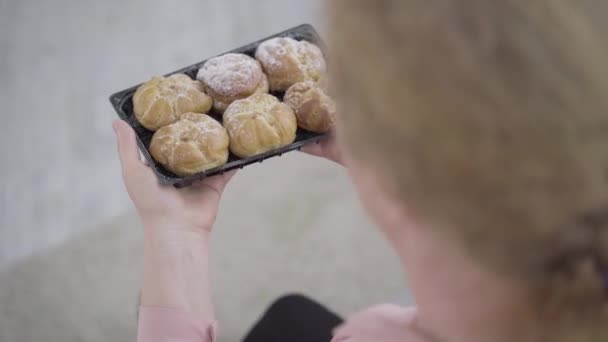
(287, 61)
(314, 109)
(232, 77)
(259, 124)
(195, 143)
(162, 100)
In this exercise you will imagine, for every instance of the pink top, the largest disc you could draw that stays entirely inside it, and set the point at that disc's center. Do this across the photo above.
(384, 323)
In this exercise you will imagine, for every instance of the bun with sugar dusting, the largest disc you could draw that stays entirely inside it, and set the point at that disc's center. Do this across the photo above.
(259, 124)
(194, 144)
(287, 61)
(232, 77)
(162, 100)
(314, 109)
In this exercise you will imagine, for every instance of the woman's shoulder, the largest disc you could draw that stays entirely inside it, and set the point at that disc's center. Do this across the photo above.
(382, 323)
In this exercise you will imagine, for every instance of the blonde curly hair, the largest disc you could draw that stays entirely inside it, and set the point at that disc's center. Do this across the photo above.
(490, 121)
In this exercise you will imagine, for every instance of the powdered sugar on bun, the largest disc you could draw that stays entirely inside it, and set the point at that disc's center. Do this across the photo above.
(191, 145)
(162, 100)
(231, 77)
(259, 124)
(287, 61)
(314, 109)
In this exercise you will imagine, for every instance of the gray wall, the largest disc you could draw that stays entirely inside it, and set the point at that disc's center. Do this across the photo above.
(59, 61)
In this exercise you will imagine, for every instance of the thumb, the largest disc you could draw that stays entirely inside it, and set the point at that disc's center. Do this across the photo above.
(217, 183)
(127, 147)
(313, 149)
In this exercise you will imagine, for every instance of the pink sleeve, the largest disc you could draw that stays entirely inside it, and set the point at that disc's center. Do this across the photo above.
(169, 325)
(386, 323)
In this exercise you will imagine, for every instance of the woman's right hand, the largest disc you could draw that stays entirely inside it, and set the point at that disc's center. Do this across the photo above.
(327, 148)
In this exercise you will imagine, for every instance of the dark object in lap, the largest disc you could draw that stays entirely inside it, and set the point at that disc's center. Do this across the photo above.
(294, 318)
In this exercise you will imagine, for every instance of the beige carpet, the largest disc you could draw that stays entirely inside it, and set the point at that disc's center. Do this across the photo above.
(298, 228)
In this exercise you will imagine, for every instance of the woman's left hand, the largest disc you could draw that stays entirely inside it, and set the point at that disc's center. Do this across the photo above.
(193, 208)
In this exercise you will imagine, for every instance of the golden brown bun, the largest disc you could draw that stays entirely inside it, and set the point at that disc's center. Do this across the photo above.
(287, 61)
(314, 109)
(161, 101)
(259, 124)
(191, 145)
(232, 77)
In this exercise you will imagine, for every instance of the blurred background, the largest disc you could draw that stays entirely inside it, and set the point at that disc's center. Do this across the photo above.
(70, 242)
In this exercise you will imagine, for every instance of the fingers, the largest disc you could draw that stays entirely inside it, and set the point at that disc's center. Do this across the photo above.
(129, 152)
(208, 191)
(218, 183)
(326, 148)
(313, 149)
(228, 176)
(127, 145)
(322, 147)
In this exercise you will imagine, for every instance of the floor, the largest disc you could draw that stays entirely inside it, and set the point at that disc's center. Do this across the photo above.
(70, 242)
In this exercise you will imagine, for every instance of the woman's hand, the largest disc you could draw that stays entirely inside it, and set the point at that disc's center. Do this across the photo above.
(193, 208)
(177, 223)
(326, 148)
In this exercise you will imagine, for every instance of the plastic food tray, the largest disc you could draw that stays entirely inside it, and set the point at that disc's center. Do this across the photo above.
(124, 107)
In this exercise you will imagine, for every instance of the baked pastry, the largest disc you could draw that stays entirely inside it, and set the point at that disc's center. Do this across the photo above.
(287, 61)
(315, 110)
(162, 100)
(258, 124)
(232, 77)
(195, 143)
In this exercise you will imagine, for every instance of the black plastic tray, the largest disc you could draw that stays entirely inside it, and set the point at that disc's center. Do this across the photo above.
(124, 107)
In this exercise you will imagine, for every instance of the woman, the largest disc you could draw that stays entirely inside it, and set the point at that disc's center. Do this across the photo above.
(475, 133)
